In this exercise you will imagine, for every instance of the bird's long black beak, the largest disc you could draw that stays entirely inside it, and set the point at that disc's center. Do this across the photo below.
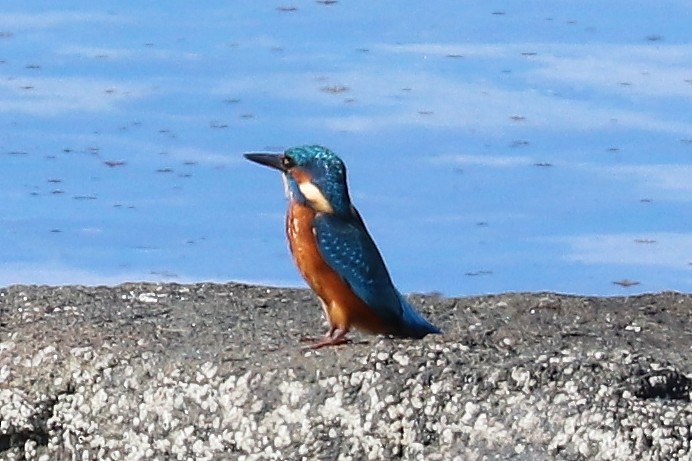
(271, 160)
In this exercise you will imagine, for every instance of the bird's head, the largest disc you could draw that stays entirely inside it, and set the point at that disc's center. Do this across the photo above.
(315, 176)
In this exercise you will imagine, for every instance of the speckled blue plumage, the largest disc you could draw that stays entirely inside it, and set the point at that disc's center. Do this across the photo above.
(346, 245)
(349, 250)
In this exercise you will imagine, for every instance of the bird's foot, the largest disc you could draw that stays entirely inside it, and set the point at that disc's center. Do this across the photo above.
(329, 342)
(334, 337)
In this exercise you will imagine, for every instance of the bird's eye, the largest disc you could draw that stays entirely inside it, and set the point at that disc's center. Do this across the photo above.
(287, 162)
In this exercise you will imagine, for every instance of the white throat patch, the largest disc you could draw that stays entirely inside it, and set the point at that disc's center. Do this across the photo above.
(287, 191)
(313, 195)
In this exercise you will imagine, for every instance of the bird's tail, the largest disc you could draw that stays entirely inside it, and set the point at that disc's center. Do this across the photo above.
(414, 325)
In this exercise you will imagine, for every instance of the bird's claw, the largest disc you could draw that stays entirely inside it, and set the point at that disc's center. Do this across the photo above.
(333, 337)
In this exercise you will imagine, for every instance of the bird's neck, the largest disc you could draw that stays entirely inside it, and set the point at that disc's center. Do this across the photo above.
(332, 202)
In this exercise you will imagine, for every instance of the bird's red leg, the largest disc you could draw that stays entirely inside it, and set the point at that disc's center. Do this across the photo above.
(311, 339)
(334, 337)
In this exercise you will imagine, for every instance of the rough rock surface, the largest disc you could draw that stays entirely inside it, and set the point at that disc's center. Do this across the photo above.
(147, 371)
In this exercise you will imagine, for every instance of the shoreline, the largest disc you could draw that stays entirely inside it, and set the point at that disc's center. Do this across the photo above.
(217, 371)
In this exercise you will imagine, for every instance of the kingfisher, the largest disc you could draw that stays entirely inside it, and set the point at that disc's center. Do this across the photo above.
(334, 251)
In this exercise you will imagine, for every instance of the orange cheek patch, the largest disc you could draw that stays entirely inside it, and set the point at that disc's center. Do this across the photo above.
(300, 175)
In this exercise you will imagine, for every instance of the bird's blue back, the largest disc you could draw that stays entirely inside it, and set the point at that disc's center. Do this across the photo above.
(348, 249)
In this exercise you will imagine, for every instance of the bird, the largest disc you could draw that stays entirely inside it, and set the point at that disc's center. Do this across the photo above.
(334, 251)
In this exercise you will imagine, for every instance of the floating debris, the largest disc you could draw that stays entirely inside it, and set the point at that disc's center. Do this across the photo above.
(335, 89)
(478, 273)
(626, 283)
(114, 163)
(165, 274)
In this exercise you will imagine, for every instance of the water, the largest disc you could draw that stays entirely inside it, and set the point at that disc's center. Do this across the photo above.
(491, 147)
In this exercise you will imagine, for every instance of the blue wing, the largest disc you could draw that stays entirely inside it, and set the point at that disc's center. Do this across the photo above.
(347, 247)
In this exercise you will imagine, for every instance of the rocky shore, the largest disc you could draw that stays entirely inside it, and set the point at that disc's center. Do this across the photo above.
(212, 372)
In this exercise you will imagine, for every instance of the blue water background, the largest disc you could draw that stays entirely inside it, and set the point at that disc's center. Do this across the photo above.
(491, 146)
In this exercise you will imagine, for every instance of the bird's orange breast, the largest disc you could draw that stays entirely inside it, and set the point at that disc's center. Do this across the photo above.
(342, 307)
